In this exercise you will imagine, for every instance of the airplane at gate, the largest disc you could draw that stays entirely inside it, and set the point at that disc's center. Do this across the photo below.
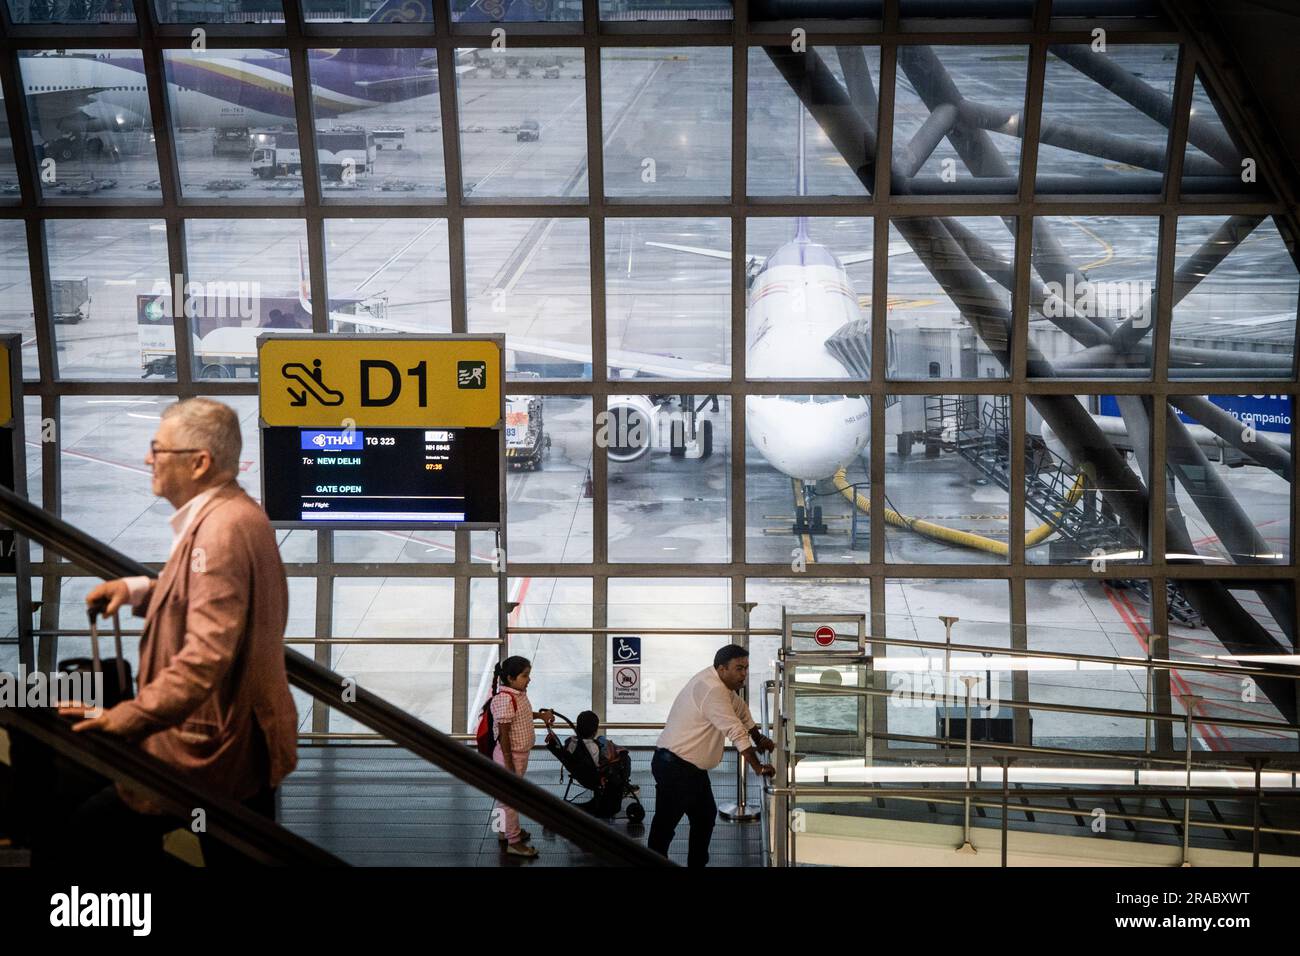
(86, 93)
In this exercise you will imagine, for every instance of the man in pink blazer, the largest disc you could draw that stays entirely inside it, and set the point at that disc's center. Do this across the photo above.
(213, 699)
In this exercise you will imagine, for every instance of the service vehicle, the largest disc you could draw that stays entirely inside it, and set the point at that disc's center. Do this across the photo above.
(70, 299)
(389, 137)
(526, 438)
(236, 141)
(340, 153)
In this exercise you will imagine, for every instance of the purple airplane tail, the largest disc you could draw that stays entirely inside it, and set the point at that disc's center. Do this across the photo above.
(394, 11)
(501, 11)
(409, 58)
(404, 11)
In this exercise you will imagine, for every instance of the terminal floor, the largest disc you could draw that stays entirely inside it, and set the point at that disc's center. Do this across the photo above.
(379, 806)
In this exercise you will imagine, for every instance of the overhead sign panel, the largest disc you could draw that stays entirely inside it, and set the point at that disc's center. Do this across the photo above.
(402, 382)
(368, 431)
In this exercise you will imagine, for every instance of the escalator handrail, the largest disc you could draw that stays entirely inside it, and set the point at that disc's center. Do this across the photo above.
(258, 838)
(396, 725)
(468, 765)
(89, 554)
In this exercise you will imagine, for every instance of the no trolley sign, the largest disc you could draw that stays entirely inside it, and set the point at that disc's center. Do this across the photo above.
(627, 684)
(625, 669)
(401, 381)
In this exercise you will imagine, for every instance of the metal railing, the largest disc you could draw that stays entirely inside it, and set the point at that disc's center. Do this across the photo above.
(789, 788)
(356, 702)
(252, 834)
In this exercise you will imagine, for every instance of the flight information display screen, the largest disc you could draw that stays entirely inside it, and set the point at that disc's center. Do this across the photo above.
(373, 477)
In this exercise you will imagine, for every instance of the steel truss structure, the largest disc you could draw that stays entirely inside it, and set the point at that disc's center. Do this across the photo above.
(857, 117)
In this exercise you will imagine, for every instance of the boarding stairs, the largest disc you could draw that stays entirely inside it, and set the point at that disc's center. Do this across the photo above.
(982, 436)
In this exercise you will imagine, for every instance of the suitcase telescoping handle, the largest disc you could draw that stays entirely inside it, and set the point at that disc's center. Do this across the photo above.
(94, 611)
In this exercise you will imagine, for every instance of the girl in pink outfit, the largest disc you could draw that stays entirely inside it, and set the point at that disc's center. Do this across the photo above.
(513, 716)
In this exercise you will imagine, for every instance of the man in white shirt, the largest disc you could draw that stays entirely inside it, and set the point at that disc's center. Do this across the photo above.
(706, 714)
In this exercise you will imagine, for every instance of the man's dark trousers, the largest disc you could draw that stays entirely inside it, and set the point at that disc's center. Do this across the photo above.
(682, 789)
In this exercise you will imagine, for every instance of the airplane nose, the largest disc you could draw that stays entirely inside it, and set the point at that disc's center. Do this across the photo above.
(809, 441)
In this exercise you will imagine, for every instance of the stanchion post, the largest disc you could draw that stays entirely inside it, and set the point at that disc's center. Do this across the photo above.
(970, 681)
(1146, 745)
(740, 811)
(1258, 764)
(948, 622)
(1190, 704)
(1006, 796)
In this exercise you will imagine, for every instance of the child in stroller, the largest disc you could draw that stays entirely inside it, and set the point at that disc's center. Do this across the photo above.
(597, 765)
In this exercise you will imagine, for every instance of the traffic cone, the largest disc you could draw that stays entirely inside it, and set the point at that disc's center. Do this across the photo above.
(587, 491)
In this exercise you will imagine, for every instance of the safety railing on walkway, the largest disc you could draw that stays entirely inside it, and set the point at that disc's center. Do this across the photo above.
(869, 781)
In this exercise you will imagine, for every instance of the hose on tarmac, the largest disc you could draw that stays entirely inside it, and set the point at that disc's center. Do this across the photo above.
(964, 539)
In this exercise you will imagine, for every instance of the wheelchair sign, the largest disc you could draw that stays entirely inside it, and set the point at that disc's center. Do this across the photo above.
(626, 650)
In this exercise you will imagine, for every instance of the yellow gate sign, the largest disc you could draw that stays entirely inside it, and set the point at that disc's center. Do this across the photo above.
(398, 381)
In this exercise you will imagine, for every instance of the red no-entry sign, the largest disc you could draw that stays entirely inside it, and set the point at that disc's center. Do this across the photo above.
(824, 636)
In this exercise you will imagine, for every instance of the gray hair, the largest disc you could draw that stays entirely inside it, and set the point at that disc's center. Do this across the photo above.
(212, 426)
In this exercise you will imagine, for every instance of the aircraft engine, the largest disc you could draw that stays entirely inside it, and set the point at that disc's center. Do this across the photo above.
(97, 117)
(629, 429)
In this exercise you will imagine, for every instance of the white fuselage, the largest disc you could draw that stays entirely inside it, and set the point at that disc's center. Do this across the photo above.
(122, 99)
(799, 299)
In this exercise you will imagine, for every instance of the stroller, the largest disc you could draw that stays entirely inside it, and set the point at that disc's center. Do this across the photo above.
(609, 782)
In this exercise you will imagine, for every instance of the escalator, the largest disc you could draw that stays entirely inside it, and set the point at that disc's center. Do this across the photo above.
(255, 837)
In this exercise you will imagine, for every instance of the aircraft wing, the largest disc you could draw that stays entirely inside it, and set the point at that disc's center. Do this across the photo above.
(383, 325)
(51, 107)
(645, 363)
(466, 60)
(700, 251)
(412, 84)
(895, 249)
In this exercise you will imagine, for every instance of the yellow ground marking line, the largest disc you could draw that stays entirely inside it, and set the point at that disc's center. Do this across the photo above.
(1110, 250)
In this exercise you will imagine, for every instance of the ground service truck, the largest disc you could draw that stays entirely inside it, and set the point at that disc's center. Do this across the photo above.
(341, 154)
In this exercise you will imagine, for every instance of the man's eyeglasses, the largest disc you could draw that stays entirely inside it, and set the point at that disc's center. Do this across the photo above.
(155, 450)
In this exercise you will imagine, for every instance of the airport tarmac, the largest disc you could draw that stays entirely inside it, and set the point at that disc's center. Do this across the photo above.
(531, 280)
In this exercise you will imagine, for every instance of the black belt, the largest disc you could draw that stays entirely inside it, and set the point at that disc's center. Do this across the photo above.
(676, 759)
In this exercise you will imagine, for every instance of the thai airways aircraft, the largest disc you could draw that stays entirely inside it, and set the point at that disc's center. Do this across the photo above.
(87, 93)
(504, 11)
(804, 322)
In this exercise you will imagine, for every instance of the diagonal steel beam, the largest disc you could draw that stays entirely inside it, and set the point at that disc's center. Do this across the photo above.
(829, 105)
(1199, 264)
(936, 126)
(1078, 139)
(932, 83)
(857, 79)
(1212, 496)
(963, 283)
(986, 257)
(1260, 449)
(1147, 99)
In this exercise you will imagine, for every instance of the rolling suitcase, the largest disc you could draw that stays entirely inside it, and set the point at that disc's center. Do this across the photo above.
(47, 787)
(118, 682)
